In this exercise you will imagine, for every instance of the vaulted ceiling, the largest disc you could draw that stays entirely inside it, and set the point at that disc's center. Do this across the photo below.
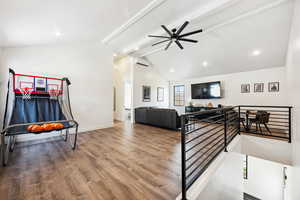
(234, 30)
(250, 43)
(36, 22)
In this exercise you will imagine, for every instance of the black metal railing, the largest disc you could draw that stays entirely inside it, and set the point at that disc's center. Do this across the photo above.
(204, 136)
(275, 124)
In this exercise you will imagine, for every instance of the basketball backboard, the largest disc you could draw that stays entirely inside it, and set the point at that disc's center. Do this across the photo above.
(37, 84)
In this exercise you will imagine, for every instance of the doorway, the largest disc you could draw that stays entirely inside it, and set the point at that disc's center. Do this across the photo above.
(127, 101)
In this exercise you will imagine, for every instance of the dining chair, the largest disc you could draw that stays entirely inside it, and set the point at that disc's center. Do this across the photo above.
(261, 117)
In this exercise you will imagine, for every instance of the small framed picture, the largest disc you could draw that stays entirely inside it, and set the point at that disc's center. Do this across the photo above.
(146, 93)
(258, 87)
(160, 94)
(245, 88)
(274, 87)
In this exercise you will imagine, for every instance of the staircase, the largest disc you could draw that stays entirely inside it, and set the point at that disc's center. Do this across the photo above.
(249, 197)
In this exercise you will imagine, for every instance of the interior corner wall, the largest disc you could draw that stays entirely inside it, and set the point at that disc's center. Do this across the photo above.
(267, 149)
(88, 65)
(227, 181)
(148, 76)
(265, 179)
(293, 72)
(3, 72)
(231, 88)
(122, 73)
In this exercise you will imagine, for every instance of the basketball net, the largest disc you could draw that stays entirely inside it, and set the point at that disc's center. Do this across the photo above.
(26, 93)
(53, 94)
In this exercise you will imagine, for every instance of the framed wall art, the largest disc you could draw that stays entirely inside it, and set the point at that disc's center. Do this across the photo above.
(258, 87)
(245, 88)
(274, 87)
(146, 93)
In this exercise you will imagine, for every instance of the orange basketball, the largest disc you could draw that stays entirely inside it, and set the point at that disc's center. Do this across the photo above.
(47, 127)
(58, 126)
(52, 125)
(36, 129)
(29, 128)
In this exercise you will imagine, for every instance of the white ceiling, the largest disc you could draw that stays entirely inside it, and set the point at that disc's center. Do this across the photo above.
(168, 12)
(35, 22)
(226, 48)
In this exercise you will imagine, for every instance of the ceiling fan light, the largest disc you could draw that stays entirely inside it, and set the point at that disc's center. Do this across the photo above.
(174, 36)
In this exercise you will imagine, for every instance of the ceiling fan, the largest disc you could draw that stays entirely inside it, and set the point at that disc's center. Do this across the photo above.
(175, 36)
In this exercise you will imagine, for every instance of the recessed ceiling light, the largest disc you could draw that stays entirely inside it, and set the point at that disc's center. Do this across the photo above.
(136, 49)
(256, 52)
(205, 63)
(172, 70)
(57, 33)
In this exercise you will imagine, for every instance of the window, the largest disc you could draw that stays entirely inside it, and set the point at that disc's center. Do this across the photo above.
(115, 102)
(160, 94)
(179, 95)
(245, 168)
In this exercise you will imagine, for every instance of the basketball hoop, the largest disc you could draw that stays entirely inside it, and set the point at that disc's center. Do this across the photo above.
(26, 93)
(54, 94)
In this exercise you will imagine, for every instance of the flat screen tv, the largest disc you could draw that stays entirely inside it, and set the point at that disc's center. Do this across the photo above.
(211, 90)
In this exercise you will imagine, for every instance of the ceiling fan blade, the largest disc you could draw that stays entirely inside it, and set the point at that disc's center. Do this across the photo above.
(182, 27)
(161, 42)
(158, 36)
(169, 44)
(167, 30)
(187, 40)
(178, 43)
(191, 33)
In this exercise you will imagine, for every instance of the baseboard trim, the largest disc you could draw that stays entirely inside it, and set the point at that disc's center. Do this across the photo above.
(92, 128)
(31, 137)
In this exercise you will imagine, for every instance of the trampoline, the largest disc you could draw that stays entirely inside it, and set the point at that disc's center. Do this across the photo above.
(36, 100)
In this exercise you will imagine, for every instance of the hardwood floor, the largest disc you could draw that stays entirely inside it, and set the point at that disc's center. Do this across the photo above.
(119, 163)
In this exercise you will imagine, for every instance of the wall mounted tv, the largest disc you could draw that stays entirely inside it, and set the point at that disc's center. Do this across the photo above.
(211, 90)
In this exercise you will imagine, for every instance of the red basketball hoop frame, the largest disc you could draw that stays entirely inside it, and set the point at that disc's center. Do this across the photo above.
(28, 87)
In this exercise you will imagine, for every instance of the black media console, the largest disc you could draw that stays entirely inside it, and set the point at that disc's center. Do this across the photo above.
(195, 109)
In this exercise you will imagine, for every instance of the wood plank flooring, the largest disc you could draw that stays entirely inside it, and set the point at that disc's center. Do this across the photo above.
(121, 163)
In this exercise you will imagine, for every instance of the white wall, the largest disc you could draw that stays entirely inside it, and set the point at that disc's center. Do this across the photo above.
(87, 65)
(265, 179)
(293, 72)
(2, 87)
(147, 76)
(268, 149)
(227, 181)
(231, 88)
